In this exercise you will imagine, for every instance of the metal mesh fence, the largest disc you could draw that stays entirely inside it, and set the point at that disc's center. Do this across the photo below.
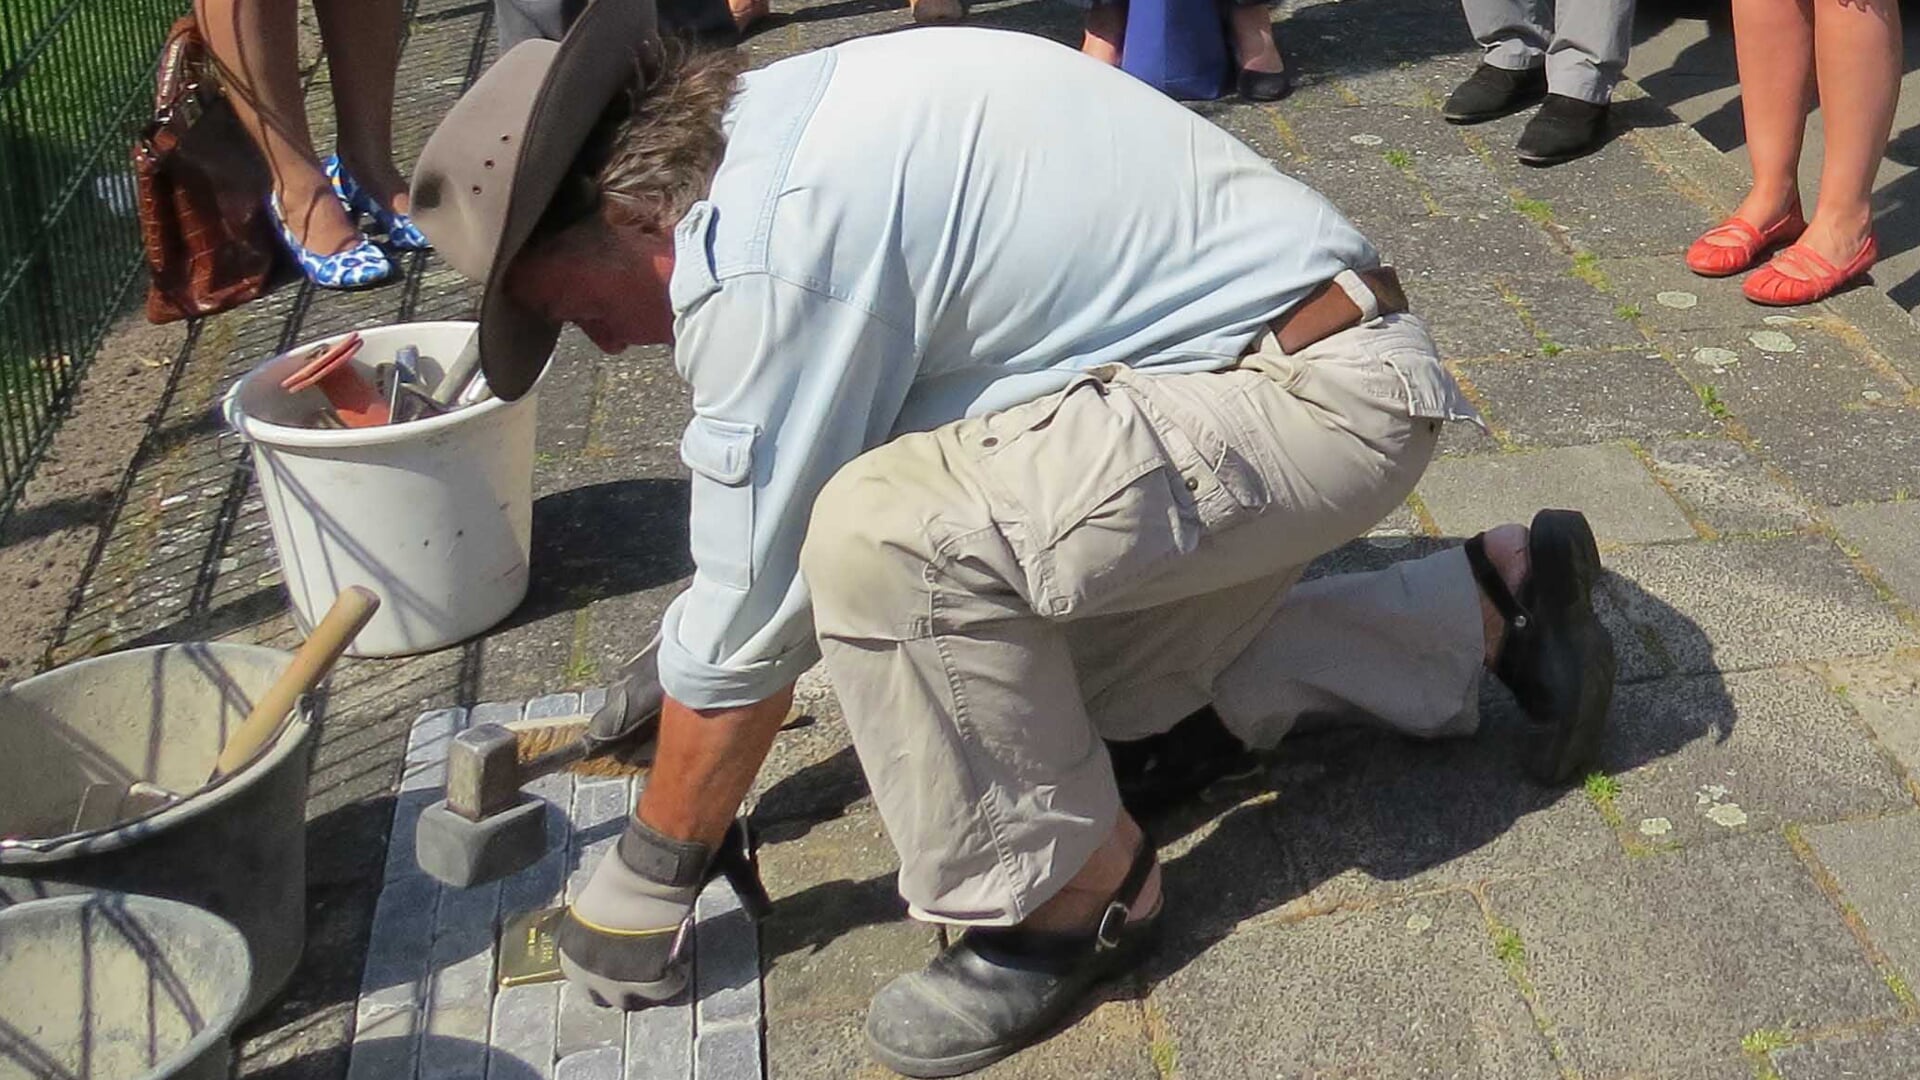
(76, 81)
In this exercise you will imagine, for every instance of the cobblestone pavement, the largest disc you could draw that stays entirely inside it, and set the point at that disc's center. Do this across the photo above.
(1734, 895)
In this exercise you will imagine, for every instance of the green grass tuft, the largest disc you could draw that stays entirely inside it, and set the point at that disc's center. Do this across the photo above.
(1551, 348)
(1508, 947)
(1601, 788)
(1399, 159)
(1766, 1040)
(1627, 311)
(1535, 210)
(1710, 399)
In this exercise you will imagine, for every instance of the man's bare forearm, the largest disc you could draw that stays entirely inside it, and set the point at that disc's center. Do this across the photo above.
(705, 763)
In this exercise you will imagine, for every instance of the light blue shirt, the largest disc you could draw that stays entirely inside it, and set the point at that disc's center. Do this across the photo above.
(915, 227)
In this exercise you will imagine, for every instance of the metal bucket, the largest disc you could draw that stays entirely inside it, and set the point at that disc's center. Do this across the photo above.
(236, 848)
(117, 987)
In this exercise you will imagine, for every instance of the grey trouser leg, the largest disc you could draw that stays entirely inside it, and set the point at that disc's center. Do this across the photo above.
(1584, 49)
(993, 596)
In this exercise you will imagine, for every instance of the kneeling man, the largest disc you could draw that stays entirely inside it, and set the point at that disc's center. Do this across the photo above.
(1021, 396)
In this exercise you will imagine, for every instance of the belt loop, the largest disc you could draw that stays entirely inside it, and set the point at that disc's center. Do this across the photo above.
(1360, 293)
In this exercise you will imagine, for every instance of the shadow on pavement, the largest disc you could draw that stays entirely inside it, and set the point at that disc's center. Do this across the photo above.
(1335, 798)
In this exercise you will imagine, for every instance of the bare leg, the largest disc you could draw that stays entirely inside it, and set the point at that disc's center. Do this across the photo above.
(1106, 32)
(1773, 40)
(1857, 57)
(1253, 44)
(1083, 899)
(255, 44)
(705, 764)
(362, 39)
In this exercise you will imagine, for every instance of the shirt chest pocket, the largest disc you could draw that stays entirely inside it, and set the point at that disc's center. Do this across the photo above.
(720, 453)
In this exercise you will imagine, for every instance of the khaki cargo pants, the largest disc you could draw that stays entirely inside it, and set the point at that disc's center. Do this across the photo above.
(995, 596)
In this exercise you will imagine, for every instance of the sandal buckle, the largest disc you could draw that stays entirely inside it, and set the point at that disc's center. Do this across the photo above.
(1112, 922)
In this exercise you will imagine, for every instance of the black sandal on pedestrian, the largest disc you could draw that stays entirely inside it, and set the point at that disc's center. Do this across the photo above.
(997, 990)
(1556, 657)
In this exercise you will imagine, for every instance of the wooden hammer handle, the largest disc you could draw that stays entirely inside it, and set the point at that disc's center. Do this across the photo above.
(343, 621)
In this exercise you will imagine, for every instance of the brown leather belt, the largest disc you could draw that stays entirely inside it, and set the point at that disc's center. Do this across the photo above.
(1328, 309)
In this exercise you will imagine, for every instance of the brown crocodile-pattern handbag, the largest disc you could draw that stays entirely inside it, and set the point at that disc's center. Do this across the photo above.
(203, 190)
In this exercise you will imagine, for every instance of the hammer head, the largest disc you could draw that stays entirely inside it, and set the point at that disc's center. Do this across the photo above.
(486, 828)
(465, 853)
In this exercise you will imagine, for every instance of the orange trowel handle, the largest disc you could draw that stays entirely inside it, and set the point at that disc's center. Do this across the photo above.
(343, 621)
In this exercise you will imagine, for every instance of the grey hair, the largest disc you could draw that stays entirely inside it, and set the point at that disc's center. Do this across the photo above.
(662, 155)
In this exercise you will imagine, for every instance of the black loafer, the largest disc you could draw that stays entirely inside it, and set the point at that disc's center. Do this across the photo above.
(996, 991)
(1565, 128)
(1264, 85)
(1556, 657)
(1162, 771)
(1492, 92)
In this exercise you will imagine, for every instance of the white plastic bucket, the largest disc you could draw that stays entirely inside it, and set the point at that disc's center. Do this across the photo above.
(436, 516)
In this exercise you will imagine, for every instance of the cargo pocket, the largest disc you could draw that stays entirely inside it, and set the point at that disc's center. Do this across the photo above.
(1431, 392)
(720, 453)
(1086, 497)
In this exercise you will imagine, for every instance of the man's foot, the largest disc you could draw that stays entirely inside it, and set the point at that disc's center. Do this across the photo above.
(1552, 651)
(1163, 770)
(1565, 128)
(998, 990)
(1492, 92)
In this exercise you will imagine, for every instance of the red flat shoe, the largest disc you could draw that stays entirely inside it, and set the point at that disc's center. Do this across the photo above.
(1776, 289)
(1709, 259)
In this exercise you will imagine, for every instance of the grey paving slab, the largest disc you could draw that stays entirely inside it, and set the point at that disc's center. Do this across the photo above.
(1734, 604)
(1887, 535)
(1387, 992)
(1571, 312)
(581, 1027)
(1834, 424)
(425, 764)
(837, 933)
(1670, 298)
(1885, 692)
(551, 705)
(1468, 317)
(729, 1052)
(1726, 487)
(1352, 815)
(460, 986)
(521, 1039)
(1702, 758)
(727, 960)
(1860, 1057)
(1659, 964)
(603, 1063)
(1608, 483)
(1582, 397)
(1877, 865)
(599, 814)
(659, 1042)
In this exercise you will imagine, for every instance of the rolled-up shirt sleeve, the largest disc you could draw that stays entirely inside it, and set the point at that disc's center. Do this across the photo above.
(789, 384)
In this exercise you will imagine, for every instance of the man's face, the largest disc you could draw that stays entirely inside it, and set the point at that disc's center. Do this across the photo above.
(611, 284)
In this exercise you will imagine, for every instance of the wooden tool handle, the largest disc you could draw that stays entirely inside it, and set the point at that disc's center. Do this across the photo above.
(343, 621)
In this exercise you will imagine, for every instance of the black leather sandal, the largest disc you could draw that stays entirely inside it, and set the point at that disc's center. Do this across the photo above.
(1556, 657)
(999, 990)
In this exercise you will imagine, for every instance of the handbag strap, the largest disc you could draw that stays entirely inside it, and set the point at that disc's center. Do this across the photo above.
(181, 61)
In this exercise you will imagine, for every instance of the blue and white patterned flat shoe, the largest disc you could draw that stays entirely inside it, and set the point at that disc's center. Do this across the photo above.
(360, 265)
(402, 233)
